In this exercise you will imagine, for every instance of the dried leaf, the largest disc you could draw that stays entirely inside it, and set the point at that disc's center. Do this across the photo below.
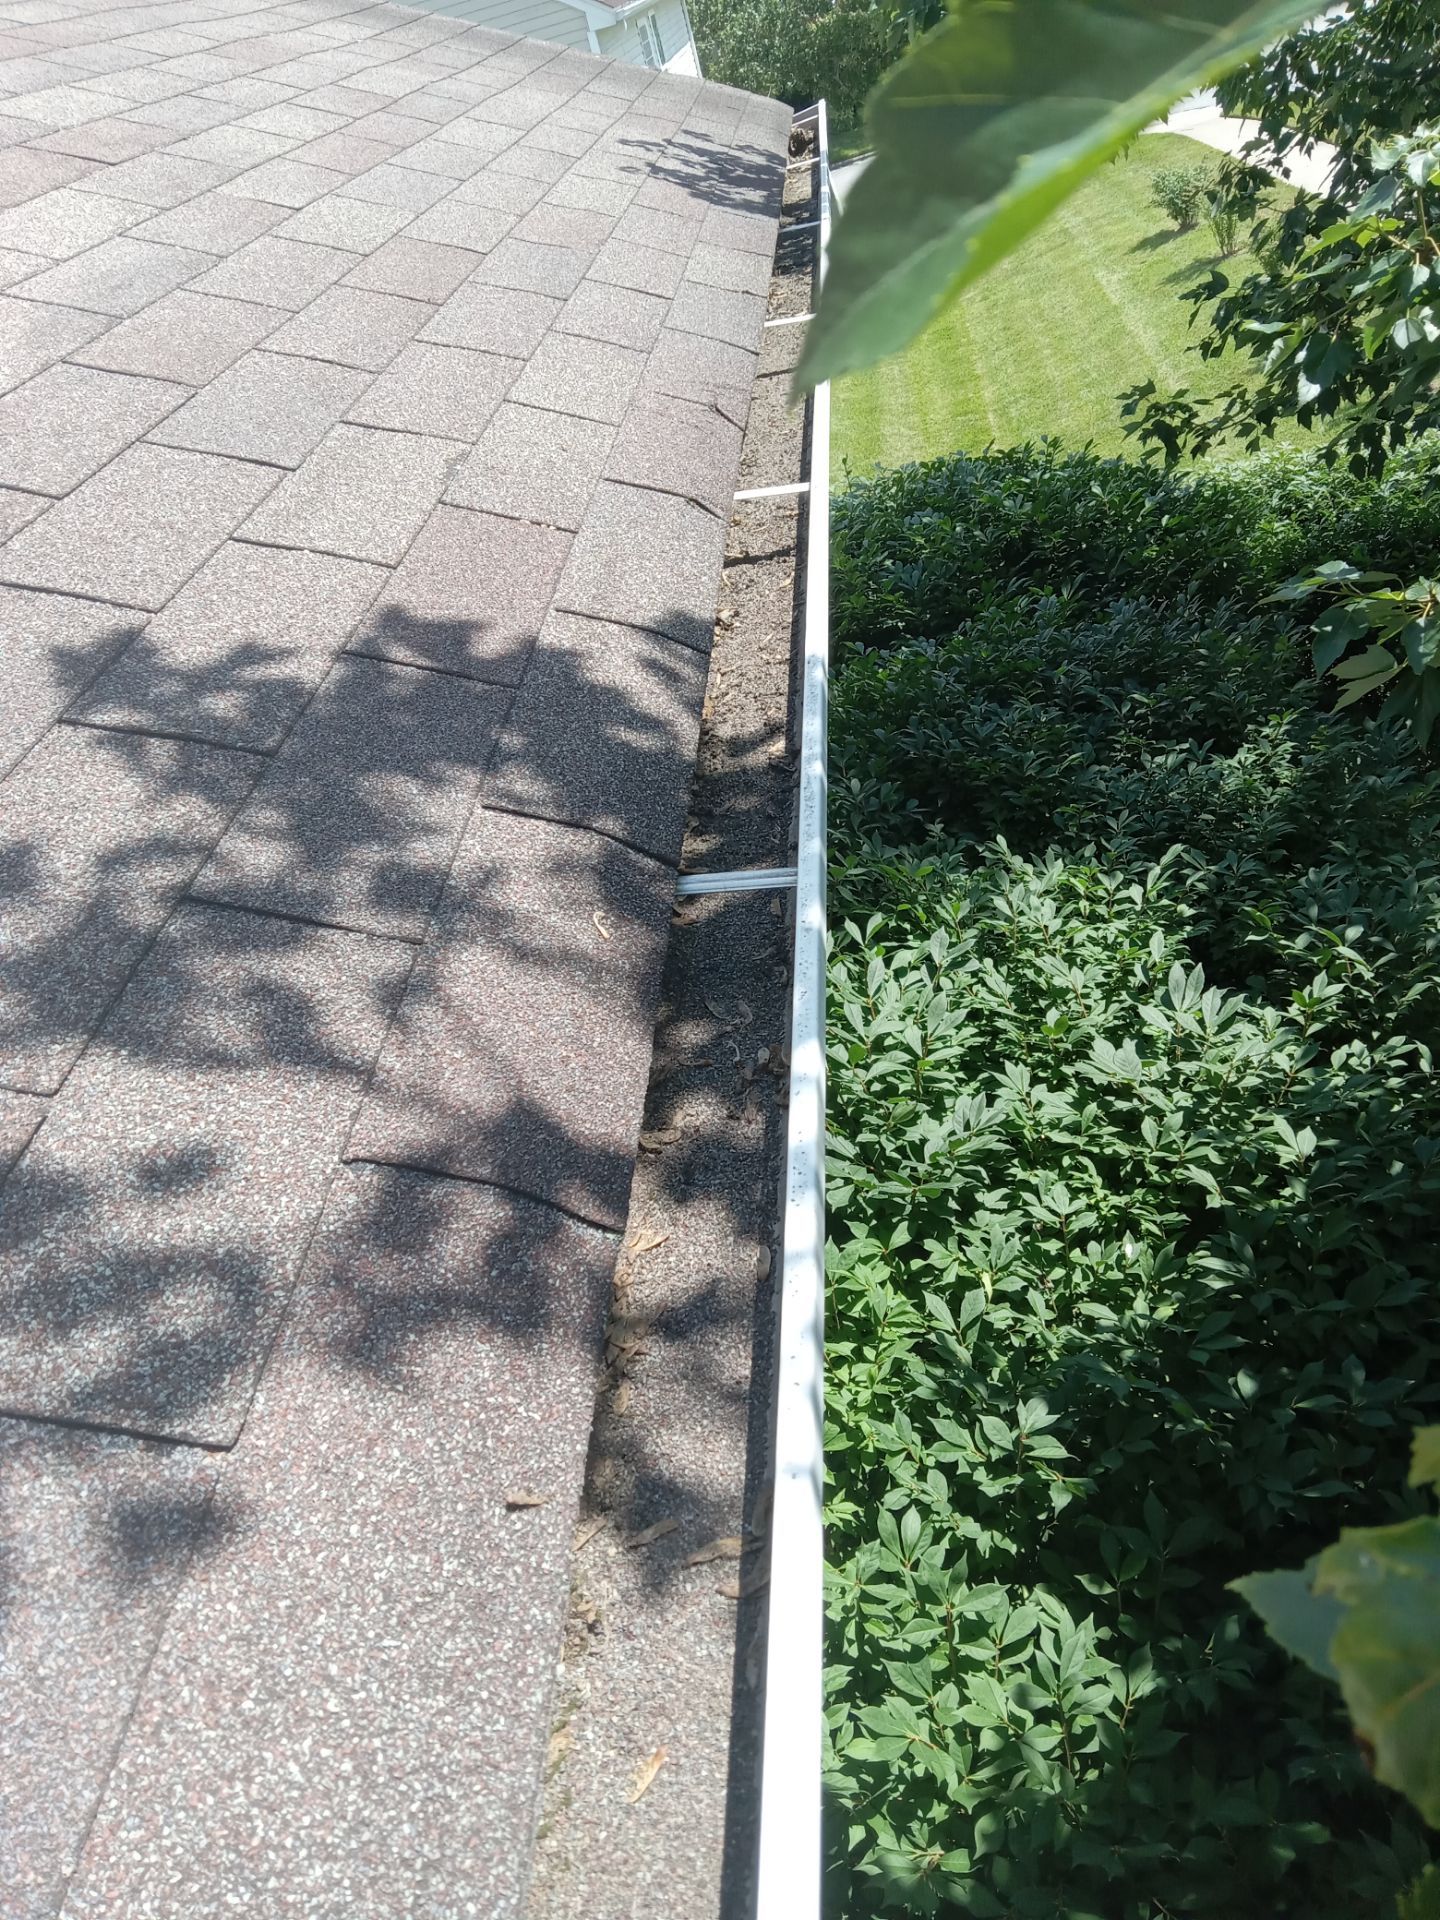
(659, 1137)
(645, 1775)
(561, 1741)
(517, 1500)
(741, 1589)
(648, 1535)
(729, 1548)
(620, 1403)
(645, 1240)
(762, 1264)
(600, 926)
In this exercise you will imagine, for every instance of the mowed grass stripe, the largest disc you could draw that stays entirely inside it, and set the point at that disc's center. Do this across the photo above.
(1045, 344)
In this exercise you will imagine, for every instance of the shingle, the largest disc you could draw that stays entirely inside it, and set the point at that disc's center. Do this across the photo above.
(492, 320)
(752, 232)
(679, 447)
(346, 151)
(353, 327)
(533, 269)
(355, 226)
(296, 122)
(450, 391)
(18, 510)
(64, 106)
(620, 263)
(52, 647)
(446, 159)
(531, 163)
(159, 179)
(104, 140)
(620, 157)
(139, 529)
(617, 314)
(521, 1051)
(363, 493)
(445, 1350)
(590, 378)
(239, 650)
(389, 185)
(15, 265)
(33, 336)
(532, 465)
(275, 273)
(507, 191)
(687, 199)
(117, 277)
(97, 1533)
(100, 833)
(469, 597)
(67, 422)
(66, 222)
(355, 823)
(268, 406)
(183, 114)
(187, 1161)
(691, 367)
(476, 135)
(28, 172)
(285, 183)
(517, 106)
(571, 141)
(343, 99)
(233, 148)
(397, 129)
(416, 268)
(731, 268)
(649, 227)
(215, 223)
(184, 336)
(596, 196)
(457, 224)
(20, 1116)
(646, 560)
(560, 226)
(635, 700)
(736, 318)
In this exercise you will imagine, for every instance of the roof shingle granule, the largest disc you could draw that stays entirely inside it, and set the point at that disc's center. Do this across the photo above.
(352, 645)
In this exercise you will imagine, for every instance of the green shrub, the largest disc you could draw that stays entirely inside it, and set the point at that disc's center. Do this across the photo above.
(1135, 1161)
(1224, 224)
(1180, 193)
(914, 548)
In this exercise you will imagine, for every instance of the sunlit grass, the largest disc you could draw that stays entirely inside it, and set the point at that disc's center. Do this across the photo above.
(1087, 308)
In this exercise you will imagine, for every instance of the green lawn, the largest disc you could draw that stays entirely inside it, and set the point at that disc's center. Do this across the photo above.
(848, 139)
(1084, 310)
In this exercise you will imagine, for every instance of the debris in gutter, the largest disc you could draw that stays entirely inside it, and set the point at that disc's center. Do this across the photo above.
(647, 1536)
(645, 1775)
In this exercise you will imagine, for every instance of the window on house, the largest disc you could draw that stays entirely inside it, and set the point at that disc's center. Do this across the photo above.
(652, 50)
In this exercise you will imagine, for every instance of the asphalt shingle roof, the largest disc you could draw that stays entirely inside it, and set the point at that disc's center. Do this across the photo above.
(371, 394)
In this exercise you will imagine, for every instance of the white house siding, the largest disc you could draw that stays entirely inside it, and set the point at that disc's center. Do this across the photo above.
(533, 19)
(622, 41)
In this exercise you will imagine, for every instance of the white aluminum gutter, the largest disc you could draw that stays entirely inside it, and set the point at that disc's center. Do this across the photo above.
(788, 1884)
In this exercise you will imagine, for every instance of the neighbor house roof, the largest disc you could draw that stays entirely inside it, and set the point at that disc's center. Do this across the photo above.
(373, 395)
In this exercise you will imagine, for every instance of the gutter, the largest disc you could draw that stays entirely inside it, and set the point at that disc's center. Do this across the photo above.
(788, 1880)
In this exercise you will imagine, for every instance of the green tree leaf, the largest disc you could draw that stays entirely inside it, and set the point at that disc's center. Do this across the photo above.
(1387, 1649)
(986, 127)
(1425, 1458)
(1303, 1621)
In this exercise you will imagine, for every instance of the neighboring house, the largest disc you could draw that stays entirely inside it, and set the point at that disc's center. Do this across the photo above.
(647, 33)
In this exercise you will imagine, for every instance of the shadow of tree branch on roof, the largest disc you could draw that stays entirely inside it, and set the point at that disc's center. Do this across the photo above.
(227, 1010)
